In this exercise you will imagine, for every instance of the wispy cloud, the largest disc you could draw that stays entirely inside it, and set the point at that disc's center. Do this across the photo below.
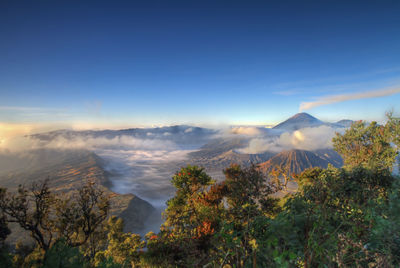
(346, 97)
(287, 92)
(27, 109)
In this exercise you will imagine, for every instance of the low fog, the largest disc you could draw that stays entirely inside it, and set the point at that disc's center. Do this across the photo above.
(143, 163)
(142, 166)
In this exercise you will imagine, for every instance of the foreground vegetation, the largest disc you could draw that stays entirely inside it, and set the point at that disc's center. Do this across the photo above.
(348, 217)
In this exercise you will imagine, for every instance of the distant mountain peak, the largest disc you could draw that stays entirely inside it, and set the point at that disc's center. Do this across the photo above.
(300, 120)
(303, 116)
(344, 123)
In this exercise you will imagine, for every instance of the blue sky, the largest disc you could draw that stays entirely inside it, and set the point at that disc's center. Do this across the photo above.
(128, 63)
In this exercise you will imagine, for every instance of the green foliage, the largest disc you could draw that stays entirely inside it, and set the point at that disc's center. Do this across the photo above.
(189, 208)
(347, 217)
(248, 201)
(108, 263)
(4, 230)
(192, 217)
(48, 218)
(62, 255)
(32, 218)
(369, 145)
(170, 249)
(332, 216)
(21, 252)
(209, 223)
(34, 259)
(5, 258)
(190, 179)
(80, 219)
(384, 238)
(123, 248)
(76, 220)
(245, 186)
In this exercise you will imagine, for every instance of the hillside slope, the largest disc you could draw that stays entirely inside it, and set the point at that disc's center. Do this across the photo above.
(75, 169)
(295, 161)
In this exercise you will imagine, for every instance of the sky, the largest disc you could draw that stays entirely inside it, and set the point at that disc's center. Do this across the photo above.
(116, 64)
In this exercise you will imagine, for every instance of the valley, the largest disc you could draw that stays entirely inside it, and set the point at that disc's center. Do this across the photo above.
(134, 166)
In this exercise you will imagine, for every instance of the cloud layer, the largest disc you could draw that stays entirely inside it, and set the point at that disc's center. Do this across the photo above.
(304, 139)
(142, 166)
(249, 131)
(123, 142)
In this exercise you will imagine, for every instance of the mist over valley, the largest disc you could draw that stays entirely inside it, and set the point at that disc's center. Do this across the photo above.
(142, 161)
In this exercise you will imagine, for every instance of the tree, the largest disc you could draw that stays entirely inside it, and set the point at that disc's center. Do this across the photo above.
(63, 256)
(75, 219)
(191, 218)
(247, 199)
(340, 217)
(32, 210)
(4, 230)
(5, 257)
(369, 145)
(246, 186)
(384, 237)
(209, 223)
(181, 214)
(80, 219)
(279, 172)
(123, 248)
(330, 219)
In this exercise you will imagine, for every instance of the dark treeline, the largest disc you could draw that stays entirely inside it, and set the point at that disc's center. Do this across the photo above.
(347, 217)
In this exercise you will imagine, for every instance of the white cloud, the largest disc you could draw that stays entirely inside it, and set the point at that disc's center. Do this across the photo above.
(345, 97)
(304, 139)
(250, 131)
(86, 142)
